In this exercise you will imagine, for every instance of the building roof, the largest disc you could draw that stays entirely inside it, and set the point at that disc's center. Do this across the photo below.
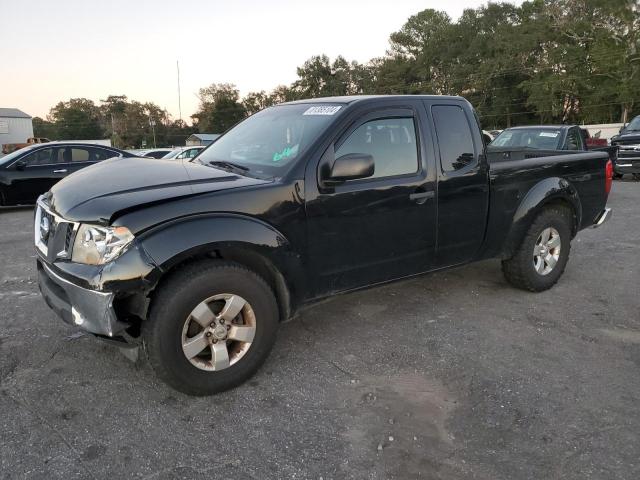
(205, 136)
(13, 113)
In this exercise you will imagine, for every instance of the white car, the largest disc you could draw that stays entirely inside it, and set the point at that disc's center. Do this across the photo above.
(155, 152)
(184, 153)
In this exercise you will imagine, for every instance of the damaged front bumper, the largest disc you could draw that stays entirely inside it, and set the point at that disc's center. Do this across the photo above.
(91, 310)
(103, 300)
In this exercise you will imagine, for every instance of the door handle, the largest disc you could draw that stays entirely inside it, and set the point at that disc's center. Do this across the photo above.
(421, 197)
(64, 170)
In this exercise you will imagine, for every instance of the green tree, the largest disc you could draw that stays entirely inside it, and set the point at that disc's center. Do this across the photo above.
(113, 116)
(283, 93)
(255, 101)
(177, 132)
(76, 119)
(44, 128)
(220, 108)
(614, 50)
(419, 53)
(319, 77)
(543, 61)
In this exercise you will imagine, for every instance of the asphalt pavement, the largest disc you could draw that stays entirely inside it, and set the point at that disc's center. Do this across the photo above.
(454, 375)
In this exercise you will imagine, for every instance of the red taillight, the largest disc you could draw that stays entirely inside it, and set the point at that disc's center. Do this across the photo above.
(608, 176)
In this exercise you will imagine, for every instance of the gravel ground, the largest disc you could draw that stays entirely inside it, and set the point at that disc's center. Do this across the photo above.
(453, 375)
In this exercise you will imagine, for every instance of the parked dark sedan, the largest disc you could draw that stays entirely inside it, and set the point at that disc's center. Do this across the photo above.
(29, 172)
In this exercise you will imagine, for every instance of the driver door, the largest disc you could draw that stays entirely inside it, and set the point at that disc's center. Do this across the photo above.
(366, 231)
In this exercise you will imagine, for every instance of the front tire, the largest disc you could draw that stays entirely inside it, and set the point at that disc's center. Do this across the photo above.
(210, 327)
(543, 254)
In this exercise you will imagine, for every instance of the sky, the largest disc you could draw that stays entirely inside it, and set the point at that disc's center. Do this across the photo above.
(55, 50)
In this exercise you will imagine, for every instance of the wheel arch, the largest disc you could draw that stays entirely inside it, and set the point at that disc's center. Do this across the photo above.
(247, 241)
(545, 194)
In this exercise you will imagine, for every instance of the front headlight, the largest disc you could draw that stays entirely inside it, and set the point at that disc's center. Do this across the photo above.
(96, 245)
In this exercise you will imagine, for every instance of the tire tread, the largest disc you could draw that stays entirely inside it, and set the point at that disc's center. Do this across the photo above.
(518, 270)
(163, 297)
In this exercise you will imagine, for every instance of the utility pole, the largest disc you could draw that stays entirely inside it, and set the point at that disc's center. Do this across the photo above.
(179, 101)
(113, 128)
(152, 122)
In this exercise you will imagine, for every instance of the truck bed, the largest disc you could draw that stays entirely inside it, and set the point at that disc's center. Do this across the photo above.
(515, 183)
(502, 154)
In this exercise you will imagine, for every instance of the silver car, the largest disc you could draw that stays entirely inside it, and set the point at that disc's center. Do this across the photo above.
(184, 153)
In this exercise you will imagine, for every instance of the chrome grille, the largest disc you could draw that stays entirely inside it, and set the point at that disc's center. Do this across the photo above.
(629, 148)
(69, 237)
(53, 234)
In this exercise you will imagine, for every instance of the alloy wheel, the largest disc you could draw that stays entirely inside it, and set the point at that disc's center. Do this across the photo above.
(546, 251)
(218, 332)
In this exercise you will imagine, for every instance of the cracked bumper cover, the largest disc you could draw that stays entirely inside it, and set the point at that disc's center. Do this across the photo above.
(84, 295)
(89, 309)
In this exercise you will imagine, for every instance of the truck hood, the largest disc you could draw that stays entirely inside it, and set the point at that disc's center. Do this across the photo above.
(627, 138)
(101, 192)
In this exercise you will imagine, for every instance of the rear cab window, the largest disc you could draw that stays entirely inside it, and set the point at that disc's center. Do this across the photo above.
(574, 140)
(455, 138)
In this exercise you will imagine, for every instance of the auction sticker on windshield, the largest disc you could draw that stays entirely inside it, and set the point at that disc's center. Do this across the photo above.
(549, 134)
(322, 110)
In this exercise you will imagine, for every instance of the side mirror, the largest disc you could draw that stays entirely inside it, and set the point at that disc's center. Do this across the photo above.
(352, 166)
(21, 165)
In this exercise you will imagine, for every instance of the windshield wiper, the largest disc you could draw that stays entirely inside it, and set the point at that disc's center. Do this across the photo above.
(228, 165)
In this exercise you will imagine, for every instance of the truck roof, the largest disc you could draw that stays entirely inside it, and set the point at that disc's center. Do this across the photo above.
(347, 99)
(545, 127)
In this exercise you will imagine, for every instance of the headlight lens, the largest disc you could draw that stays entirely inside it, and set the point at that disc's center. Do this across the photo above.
(96, 245)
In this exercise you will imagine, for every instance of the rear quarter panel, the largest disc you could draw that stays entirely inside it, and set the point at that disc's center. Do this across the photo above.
(521, 188)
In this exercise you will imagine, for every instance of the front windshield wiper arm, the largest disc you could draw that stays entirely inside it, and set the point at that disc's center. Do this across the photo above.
(228, 165)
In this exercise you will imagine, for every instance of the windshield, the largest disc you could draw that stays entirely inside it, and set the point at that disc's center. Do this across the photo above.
(270, 141)
(174, 153)
(547, 139)
(634, 125)
(13, 155)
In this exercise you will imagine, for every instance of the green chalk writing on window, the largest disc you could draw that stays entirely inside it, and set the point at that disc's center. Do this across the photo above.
(286, 153)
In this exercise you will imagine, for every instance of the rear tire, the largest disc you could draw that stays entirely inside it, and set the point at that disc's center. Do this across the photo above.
(210, 327)
(543, 253)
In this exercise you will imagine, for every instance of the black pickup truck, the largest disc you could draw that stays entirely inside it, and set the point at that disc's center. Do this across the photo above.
(199, 261)
(628, 143)
(517, 143)
(542, 137)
